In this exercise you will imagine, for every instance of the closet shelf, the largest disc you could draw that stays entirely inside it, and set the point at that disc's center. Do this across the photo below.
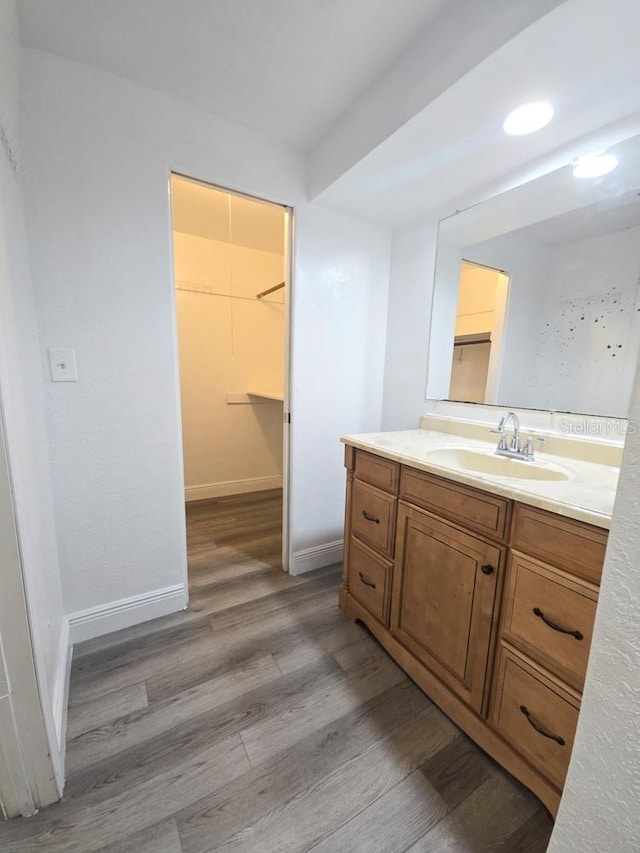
(268, 395)
(270, 290)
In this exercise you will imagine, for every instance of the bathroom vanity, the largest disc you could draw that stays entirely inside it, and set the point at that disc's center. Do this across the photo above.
(482, 586)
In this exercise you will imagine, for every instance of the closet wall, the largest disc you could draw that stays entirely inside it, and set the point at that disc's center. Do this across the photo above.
(227, 249)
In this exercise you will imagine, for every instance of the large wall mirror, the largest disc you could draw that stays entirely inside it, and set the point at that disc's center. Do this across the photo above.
(536, 294)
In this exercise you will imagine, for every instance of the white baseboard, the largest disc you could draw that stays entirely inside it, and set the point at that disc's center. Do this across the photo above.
(231, 487)
(317, 557)
(60, 698)
(96, 621)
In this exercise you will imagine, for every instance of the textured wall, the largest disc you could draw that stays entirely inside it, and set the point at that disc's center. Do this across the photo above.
(600, 809)
(100, 152)
(590, 332)
(413, 253)
(339, 325)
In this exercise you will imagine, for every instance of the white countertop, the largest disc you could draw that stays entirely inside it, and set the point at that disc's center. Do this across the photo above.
(587, 495)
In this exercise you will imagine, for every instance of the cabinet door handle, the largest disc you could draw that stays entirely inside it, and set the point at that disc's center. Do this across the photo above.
(577, 634)
(540, 729)
(370, 517)
(487, 569)
(365, 581)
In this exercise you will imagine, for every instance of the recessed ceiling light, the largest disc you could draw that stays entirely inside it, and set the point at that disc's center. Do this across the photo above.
(528, 118)
(594, 165)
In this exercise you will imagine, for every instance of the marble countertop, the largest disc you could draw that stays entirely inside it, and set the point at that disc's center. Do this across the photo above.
(587, 495)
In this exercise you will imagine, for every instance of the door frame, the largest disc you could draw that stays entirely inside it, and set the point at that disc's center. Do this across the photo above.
(28, 777)
(288, 349)
(287, 546)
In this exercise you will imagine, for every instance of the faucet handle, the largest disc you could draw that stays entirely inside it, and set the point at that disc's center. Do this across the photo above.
(528, 447)
(502, 441)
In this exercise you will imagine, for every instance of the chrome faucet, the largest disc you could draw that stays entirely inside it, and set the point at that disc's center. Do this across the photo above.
(512, 447)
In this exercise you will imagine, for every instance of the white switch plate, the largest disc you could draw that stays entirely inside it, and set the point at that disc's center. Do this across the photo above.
(62, 363)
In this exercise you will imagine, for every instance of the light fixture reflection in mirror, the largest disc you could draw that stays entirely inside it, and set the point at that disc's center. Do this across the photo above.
(568, 335)
(594, 165)
(529, 118)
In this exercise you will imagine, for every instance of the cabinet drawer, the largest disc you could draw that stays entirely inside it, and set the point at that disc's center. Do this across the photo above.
(469, 507)
(370, 580)
(377, 471)
(550, 615)
(535, 714)
(373, 516)
(563, 542)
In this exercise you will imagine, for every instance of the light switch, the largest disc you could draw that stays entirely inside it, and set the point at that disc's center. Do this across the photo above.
(62, 363)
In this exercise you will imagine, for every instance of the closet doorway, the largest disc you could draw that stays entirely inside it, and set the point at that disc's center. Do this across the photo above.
(232, 281)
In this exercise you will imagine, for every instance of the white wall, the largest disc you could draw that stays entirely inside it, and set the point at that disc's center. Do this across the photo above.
(339, 325)
(100, 151)
(413, 252)
(441, 326)
(230, 343)
(590, 331)
(22, 410)
(599, 808)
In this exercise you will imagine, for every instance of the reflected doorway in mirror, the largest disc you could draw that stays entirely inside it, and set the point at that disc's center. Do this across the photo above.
(479, 322)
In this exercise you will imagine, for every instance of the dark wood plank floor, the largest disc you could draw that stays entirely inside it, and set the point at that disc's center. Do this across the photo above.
(262, 719)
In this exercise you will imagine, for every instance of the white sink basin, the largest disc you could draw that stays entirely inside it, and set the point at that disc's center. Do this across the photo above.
(497, 466)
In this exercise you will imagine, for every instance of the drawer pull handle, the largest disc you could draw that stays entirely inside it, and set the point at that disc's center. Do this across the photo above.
(577, 634)
(365, 581)
(541, 731)
(370, 517)
(487, 569)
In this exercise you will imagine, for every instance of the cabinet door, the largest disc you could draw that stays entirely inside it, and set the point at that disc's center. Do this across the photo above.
(444, 592)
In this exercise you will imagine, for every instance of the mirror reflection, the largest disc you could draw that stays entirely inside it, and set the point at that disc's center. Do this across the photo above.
(536, 294)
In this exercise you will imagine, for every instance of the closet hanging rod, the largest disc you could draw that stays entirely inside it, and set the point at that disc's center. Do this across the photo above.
(270, 290)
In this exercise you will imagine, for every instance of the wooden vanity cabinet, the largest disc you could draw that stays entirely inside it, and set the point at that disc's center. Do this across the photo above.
(487, 604)
(444, 590)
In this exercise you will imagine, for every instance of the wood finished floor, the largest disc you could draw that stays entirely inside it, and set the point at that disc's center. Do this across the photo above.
(262, 719)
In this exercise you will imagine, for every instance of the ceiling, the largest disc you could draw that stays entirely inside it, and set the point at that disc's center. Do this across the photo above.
(399, 103)
(205, 211)
(285, 68)
(586, 63)
(618, 214)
